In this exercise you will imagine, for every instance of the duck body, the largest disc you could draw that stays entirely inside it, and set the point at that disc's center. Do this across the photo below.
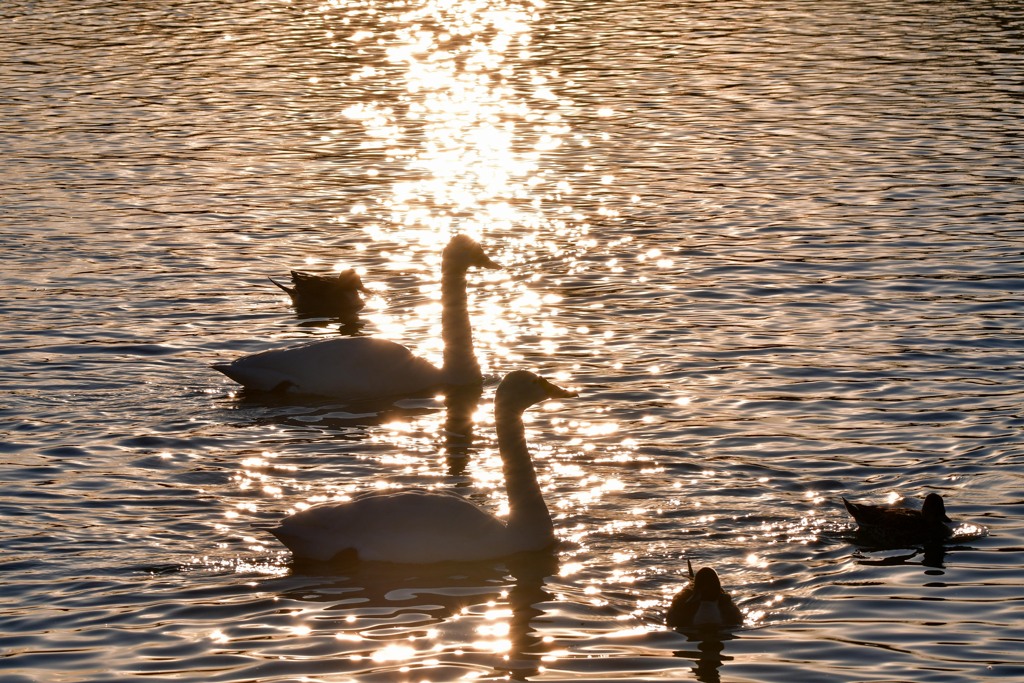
(422, 527)
(890, 524)
(703, 604)
(336, 295)
(356, 368)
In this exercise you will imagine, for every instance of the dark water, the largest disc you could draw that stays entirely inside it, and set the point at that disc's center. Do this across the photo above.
(778, 247)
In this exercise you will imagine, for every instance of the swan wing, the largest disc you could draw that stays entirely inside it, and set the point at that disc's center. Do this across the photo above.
(406, 527)
(347, 367)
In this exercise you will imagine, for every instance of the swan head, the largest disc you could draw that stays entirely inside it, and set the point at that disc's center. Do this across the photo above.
(463, 253)
(934, 509)
(521, 389)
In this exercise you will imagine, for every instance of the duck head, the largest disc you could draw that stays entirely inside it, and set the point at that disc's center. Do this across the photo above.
(706, 584)
(350, 279)
(934, 509)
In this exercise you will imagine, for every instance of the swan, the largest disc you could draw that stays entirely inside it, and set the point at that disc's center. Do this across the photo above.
(902, 524)
(422, 527)
(357, 368)
(325, 295)
(703, 604)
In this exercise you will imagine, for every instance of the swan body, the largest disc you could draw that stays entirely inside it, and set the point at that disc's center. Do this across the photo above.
(365, 368)
(420, 527)
(397, 527)
(332, 367)
(703, 604)
(902, 524)
(325, 295)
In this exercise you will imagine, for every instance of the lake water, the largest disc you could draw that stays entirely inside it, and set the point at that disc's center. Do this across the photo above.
(777, 247)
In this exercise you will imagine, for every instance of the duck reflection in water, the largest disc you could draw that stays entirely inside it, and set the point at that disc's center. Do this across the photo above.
(708, 658)
(932, 555)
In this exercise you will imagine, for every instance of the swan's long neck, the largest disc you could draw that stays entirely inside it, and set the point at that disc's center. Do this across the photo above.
(460, 364)
(529, 521)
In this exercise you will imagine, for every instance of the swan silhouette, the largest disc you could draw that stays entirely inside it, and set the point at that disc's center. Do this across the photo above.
(357, 368)
(423, 527)
(703, 604)
(902, 524)
(336, 295)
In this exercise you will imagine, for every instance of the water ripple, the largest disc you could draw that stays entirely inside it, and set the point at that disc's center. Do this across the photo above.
(777, 250)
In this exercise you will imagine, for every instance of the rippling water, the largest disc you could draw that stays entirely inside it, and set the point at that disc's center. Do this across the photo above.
(778, 247)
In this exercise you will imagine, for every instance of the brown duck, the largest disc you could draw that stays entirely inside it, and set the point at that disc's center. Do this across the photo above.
(890, 524)
(703, 604)
(325, 295)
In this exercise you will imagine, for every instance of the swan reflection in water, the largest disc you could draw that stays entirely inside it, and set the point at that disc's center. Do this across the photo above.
(527, 647)
(390, 542)
(460, 404)
(429, 611)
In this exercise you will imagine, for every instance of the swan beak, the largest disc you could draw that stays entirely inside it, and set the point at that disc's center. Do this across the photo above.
(558, 392)
(486, 262)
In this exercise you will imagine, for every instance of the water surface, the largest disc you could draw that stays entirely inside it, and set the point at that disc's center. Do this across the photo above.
(776, 247)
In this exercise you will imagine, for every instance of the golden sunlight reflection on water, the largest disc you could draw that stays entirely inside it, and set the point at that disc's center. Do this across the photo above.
(460, 123)
(810, 293)
(456, 132)
(460, 130)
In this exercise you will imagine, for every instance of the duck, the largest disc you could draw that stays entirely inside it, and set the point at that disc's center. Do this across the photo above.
(417, 526)
(335, 295)
(703, 604)
(890, 524)
(368, 368)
